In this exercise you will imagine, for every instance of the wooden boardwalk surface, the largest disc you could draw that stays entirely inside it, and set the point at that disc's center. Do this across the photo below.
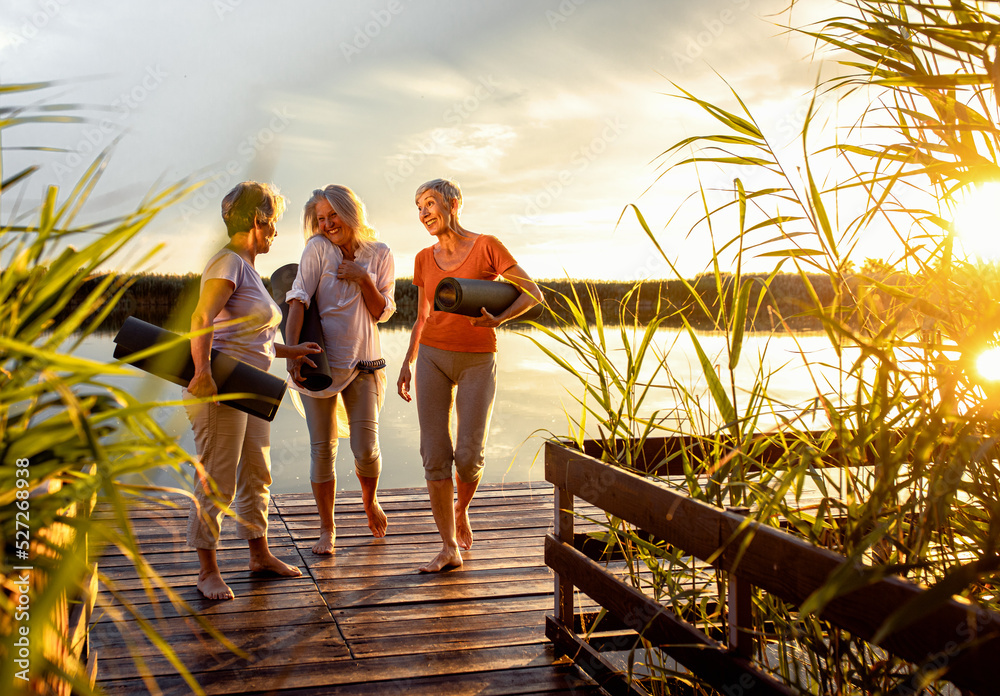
(362, 621)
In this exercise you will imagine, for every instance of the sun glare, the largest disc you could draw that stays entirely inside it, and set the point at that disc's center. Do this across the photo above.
(977, 222)
(988, 364)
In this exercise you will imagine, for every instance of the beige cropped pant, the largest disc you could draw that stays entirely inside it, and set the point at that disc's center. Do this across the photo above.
(467, 382)
(235, 450)
(361, 402)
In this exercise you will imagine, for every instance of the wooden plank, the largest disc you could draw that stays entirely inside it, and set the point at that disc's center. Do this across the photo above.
(107, 634)
(431, 593)
(662, 456)
(454, 578)
(786, 566)
(454, 640)
(243, 605)
(388, 617)
(682, 641)
(552, 680)
(587, 658)
(426, 629)
(285, 648)
(394, 673)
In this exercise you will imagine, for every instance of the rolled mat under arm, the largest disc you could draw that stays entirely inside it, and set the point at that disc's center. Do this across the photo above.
(175, 364)
(467, 296)
(313, 378)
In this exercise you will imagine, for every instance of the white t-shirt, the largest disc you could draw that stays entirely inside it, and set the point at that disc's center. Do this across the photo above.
(350, 332)
(252, 339)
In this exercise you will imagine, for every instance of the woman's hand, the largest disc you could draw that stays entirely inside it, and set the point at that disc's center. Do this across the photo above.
(202, 385)
(297, 356)
(301, 350)
(351, 271)
(485, 321)
(403, 383)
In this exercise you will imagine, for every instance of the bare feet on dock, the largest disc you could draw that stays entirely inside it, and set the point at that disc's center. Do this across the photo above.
(463, 528)
(324, 545)
(272, 564)
(448, 557)
(377, 521)
(213, 586)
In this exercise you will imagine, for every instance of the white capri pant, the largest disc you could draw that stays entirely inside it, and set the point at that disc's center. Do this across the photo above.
(235, 450)
(361, 401)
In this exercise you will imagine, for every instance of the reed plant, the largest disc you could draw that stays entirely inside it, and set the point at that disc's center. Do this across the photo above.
(69, 434)
(903, 479)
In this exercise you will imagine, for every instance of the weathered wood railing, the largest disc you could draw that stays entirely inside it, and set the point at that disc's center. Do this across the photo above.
(753, 555)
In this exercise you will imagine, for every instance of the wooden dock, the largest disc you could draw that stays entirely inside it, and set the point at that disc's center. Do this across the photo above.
(363, 621)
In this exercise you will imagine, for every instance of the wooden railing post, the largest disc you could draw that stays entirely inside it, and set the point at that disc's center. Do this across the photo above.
(739, 608)
(564, 532)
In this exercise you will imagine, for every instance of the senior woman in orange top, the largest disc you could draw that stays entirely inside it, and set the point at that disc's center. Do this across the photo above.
(455, 353)
(234, 447)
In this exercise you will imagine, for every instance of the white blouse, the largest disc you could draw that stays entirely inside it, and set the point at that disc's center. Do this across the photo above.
(349, 330)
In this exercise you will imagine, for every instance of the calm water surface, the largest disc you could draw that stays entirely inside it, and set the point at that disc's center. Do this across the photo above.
(535, 397)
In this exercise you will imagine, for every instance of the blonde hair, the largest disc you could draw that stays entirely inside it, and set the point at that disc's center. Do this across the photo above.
(349, 209)
(250, 202)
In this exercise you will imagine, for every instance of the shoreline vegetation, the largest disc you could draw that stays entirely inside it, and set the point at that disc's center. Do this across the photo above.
(784, 300)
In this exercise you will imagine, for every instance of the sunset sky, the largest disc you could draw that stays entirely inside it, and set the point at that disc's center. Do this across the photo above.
(550, 113)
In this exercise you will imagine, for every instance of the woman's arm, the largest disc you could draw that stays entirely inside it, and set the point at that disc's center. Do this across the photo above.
(295, 351)
(405, 373)
(214, 296)
(530, 296)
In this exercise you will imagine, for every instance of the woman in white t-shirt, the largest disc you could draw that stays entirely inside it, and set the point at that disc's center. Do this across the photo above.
(351, 276)
(234, 447)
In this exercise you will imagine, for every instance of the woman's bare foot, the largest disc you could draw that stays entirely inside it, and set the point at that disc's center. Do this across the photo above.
(463, 528)
(324, 545)
(213, 586)
(377, 521)
(449, 556)
(269, 563)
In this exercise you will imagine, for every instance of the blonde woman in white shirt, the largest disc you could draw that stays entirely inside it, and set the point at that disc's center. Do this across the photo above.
(351, 277)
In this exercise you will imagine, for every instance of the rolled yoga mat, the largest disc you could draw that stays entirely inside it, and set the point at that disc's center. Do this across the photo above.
(313, 378)
(175, 364)
(467, 296)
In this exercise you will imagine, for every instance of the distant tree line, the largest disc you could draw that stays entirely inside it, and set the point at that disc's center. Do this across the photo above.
(780, 300)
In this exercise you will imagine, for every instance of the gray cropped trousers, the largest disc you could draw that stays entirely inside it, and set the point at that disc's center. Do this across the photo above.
(467, 383)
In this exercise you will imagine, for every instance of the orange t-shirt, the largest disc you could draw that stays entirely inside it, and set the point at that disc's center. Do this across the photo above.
(488, 259)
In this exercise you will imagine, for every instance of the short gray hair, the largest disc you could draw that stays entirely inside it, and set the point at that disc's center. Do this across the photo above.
(250, 202)
(449, 190)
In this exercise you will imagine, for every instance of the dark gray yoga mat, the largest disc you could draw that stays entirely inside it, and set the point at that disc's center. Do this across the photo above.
(467, 296)
(313, 378)
(175, 364)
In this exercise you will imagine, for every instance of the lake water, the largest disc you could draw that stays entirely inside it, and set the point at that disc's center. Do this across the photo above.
(534, 400)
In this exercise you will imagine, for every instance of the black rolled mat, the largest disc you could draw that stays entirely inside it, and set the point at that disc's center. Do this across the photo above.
(467, 296)
(313, 378)
(174, 364)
